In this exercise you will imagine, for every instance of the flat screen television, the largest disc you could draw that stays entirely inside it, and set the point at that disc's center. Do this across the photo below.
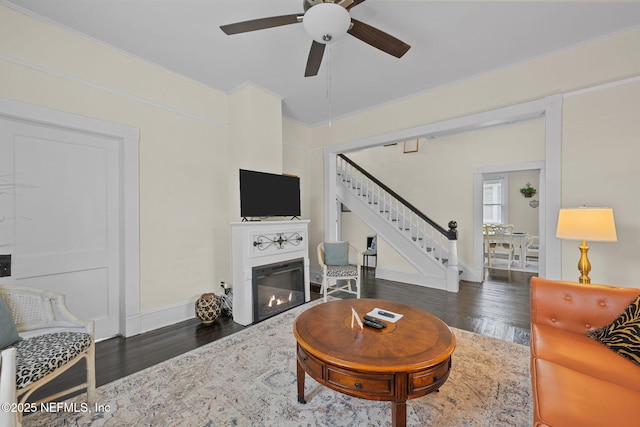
(265, 194)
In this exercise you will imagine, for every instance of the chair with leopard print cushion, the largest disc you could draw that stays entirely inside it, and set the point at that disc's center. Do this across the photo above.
(53, 340)
(340, 263)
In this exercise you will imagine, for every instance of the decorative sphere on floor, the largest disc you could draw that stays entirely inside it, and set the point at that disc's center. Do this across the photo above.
(208, 308)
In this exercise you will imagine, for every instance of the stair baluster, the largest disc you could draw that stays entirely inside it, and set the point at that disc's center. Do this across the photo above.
(426, 235)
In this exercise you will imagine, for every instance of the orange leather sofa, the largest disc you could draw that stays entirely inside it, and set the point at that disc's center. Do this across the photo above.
(577, 381)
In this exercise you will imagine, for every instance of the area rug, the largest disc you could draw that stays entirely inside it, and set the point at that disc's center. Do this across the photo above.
(249, 379)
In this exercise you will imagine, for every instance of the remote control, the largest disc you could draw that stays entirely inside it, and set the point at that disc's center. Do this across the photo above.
(373, 324)
(384, 313)
(374, 320)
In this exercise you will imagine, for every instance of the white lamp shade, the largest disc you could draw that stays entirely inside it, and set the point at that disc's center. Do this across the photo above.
(592, 224)
(326, 22)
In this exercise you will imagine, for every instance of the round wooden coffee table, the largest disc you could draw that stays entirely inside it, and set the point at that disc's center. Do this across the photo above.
(405, 360)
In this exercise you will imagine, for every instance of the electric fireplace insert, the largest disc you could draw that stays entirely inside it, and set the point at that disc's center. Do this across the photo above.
(277, 288)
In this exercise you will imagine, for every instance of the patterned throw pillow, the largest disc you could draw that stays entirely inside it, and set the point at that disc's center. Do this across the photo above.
(623, 334)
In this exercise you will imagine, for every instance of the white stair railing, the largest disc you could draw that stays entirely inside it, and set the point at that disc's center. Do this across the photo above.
(426, 235)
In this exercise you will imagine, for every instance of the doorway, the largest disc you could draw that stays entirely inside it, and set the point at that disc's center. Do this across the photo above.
(511, 200)
(512, 208)
(69, 212)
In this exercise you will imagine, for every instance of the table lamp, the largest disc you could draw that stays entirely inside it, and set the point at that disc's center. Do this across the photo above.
(594, 224)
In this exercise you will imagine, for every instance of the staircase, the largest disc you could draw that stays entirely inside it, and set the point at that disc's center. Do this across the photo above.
(429, 247)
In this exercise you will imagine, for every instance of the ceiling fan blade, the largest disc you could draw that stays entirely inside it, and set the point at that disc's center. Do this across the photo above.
(378, 39)
(354, 3)
(345, 3)
(315, 59)
(261, 24)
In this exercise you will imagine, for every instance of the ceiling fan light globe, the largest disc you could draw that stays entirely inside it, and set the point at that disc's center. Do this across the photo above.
(326, 22)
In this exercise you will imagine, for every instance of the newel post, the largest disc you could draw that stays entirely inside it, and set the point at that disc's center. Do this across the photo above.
(453, 274)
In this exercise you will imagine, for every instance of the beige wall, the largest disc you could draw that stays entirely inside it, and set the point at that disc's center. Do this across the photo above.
(597, 125)
(299, 149)
(255, 139)
(192, 141)
(523, 217)
(601, 136)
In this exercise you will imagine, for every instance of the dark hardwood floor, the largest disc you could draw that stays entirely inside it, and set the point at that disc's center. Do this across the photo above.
(497, 307)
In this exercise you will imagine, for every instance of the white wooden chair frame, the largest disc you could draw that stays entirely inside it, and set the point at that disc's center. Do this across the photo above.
(499, 239)
(532, 247)
(8, 417)
(38, 312)
(354, 260)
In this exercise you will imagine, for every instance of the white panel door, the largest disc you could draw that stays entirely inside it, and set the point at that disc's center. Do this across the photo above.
(60, 216)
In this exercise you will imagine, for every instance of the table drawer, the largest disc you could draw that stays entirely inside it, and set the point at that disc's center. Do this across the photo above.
(311, 364)
(371, 384)
(429, 378)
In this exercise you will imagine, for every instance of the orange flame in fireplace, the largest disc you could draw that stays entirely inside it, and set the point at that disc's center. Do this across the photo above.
(278, 301)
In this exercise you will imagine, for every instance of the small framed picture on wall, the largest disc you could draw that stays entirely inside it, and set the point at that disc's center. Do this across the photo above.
(411, 146)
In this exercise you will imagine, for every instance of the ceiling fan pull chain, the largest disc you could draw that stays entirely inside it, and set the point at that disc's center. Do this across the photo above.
(329, 92)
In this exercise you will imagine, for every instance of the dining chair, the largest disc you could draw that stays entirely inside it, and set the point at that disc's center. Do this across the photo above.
(499, 241)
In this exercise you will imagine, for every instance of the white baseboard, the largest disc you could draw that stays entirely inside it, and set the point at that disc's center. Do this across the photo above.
(132, 326)
(161, 317)
(411, 278)
(472, 276)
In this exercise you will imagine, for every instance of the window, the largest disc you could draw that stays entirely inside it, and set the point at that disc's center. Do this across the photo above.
(494, 199)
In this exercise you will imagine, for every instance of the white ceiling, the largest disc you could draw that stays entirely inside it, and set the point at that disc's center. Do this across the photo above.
(451, 41)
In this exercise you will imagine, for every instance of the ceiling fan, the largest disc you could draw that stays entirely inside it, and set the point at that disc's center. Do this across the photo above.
(325, 21)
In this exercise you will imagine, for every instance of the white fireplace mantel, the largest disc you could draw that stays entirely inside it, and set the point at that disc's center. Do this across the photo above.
(260, 243)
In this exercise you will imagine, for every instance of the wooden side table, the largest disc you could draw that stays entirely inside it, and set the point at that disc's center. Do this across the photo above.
(405, 360)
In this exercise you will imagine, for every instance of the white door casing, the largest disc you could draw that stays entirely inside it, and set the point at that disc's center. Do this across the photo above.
(68, 214)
